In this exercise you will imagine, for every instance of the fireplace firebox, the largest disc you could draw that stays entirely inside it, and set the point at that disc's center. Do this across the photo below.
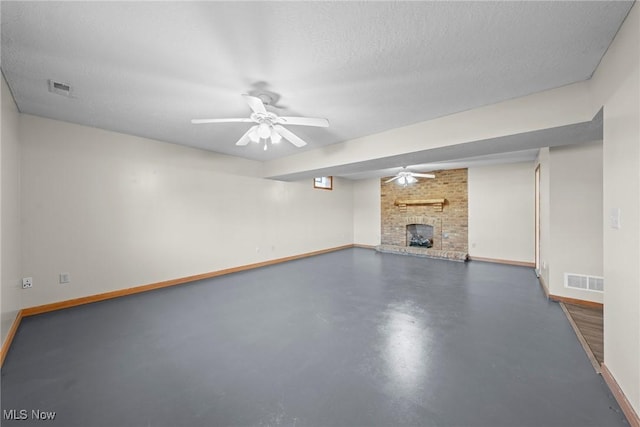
(420, 235)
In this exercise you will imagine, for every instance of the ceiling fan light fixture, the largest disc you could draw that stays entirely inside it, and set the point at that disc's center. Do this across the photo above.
(264, 130)
(411, 179)
(268, 125)
(275, 137)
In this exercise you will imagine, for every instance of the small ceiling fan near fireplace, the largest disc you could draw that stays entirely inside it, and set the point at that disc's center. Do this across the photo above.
(268, 126)
(406, 177)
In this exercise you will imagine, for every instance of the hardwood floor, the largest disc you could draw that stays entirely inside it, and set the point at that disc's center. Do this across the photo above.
(590, 325)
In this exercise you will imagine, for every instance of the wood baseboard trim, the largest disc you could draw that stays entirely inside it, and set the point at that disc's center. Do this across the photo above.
(9, 339)
(45, 308)
(625, 405)
(583, 342)
(503, 261)
(544, 286)
(574, 301)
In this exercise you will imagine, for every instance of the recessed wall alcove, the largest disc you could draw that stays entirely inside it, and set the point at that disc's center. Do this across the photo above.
(440, 203)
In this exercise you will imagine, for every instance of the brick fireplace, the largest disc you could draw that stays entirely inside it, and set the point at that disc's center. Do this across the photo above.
(440, 203)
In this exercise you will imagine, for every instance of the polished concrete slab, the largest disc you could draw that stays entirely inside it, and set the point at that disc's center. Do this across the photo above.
(350, 338)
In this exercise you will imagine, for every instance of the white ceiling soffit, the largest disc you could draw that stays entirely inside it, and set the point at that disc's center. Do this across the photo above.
(510, 148)
(467, 162)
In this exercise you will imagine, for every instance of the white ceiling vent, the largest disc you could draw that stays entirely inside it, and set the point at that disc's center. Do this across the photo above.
(584, 282)
(60, 88)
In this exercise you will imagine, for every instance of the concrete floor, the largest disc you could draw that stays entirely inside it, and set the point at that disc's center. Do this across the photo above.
(350, 338)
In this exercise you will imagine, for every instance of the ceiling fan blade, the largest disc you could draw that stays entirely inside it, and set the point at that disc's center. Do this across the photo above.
(290, 136)
(255, 104)
(304, 121)
(423, 175)
(201, 121)
(244, 139)
(393, 179)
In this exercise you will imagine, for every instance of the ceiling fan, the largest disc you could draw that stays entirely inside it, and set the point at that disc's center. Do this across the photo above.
(405, 177)
(268, 126)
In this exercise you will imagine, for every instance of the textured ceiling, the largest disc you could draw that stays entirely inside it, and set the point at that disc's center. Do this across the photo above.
(147, 68)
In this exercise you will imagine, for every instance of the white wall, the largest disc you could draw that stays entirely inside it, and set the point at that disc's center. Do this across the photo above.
(616, 85)
(116, 211)
(501, 212)
(366, 212)
(9, 213)
(543, 162)
(575, 217)
(571, 216)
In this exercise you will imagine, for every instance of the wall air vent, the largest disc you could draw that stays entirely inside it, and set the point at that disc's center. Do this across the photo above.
(584, 282)
(59, 88)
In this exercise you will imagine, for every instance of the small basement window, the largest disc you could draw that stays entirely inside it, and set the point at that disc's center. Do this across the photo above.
(323, 183)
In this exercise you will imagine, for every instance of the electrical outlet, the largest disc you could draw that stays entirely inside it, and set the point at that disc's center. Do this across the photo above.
(27, 282)
(65, 278)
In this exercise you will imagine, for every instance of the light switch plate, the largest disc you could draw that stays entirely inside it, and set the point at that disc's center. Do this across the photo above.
(614, 217)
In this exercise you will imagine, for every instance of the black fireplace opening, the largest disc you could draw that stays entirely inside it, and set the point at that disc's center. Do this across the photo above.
(420, 235)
